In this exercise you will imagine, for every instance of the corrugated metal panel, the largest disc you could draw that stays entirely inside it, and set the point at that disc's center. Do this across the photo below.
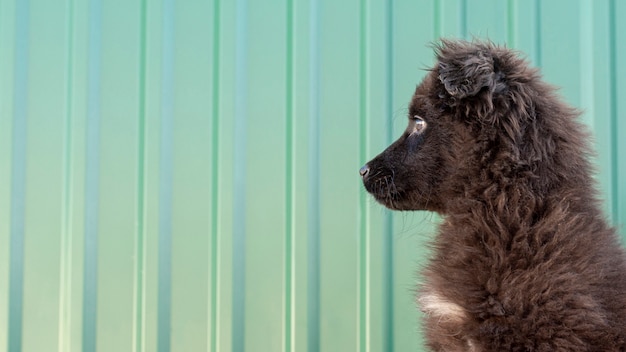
(182, 175)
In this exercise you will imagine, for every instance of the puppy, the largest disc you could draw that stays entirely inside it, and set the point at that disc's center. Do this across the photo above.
(524, 259)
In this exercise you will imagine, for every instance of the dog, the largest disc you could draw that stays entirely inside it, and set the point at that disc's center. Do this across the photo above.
(523, 259)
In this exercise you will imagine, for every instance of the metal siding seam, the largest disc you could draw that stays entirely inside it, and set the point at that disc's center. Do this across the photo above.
(139, 284)
(313, 189)
(65, 280)
(463, 19)
(511, 24)
(289, 308)
(92, 173)
(538, 27)
(613, 118)
(18, 178)
(586, 57)
(215, 143)
(239, 192)
(437, 18)
(166, 181)
(363, 247)
(388, 317)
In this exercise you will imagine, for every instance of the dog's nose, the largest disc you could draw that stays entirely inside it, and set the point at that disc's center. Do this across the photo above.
(364, 171)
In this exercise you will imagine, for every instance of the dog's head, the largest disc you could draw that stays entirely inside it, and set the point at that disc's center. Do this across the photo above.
(468, 123)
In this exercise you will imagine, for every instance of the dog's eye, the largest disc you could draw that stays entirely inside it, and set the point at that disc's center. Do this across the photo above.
(419, 124)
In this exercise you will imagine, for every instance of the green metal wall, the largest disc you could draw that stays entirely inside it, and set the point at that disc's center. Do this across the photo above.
(182, 175)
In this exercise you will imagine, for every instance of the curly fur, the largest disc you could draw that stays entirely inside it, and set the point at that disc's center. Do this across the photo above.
(524, 259)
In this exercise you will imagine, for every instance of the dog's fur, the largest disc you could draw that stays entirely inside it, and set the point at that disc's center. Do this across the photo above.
(524, 259)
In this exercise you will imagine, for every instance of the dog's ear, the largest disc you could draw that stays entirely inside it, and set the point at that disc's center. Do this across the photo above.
(466, 70)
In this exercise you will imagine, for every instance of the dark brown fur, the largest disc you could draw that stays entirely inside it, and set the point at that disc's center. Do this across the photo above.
(524, 259)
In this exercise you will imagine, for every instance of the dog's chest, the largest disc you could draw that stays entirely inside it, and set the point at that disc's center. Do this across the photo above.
(445, 323)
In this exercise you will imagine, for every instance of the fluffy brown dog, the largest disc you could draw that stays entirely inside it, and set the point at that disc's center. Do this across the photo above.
(524, 259)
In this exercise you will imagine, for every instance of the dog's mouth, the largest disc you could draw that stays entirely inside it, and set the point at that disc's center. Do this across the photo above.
(384, 190)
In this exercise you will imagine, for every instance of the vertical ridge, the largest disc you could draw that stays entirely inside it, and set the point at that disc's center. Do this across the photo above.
(363, 248)
(388, 316)
(18, 177)
(510, 24)
(615, 186)
(436, 19)
(538, 27)
(586, 53)
(139, 289)
(92, 171)
(239, 193)
(463, 19)
(65, 279)
(166, 181)
(313, 195)
(288, 308)
(214, 345)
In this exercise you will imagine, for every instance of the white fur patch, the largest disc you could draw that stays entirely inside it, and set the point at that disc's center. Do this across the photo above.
(435, 305)
(471, 347)
(446, 312)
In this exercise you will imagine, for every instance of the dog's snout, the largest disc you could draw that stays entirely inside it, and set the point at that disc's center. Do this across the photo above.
(364, 171)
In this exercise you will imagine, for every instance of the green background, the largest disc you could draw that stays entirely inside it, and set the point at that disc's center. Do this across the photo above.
(183, 175)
